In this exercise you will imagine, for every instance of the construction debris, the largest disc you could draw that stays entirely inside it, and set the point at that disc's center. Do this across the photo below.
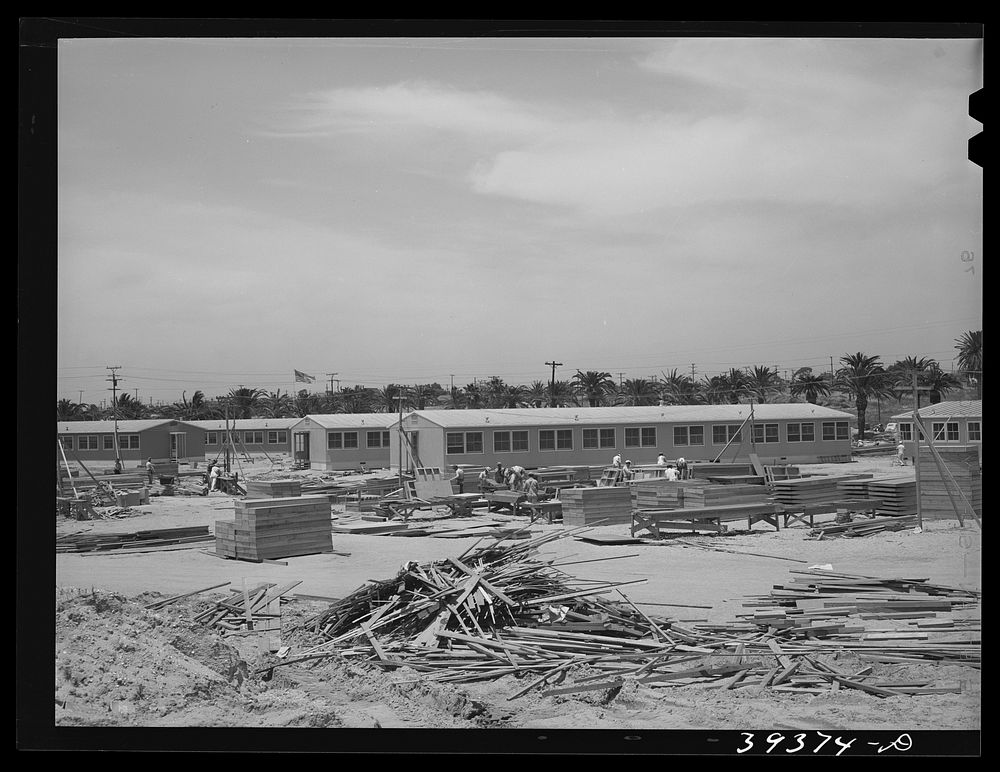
(135, 541)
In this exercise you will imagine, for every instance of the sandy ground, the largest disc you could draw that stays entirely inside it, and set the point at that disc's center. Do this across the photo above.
(118, 664)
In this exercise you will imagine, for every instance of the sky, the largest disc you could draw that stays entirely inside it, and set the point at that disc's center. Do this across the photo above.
(414, 210)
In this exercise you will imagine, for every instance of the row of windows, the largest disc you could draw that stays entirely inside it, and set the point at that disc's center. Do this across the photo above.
(945, 431)
(96, 442)
(250, 437)
(642, 437)
(349, 440)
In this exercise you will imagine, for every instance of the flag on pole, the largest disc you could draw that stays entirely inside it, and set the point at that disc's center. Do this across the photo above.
(303, 377)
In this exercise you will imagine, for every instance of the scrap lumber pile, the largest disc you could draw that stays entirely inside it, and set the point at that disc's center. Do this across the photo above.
(267, 529)
(804, 491)
(250, 610)
(135, 541)
(898, 496)
(723, 495)
(498, 611)
(273, 489)
(967, 489)
(864, 526)
(587, 506)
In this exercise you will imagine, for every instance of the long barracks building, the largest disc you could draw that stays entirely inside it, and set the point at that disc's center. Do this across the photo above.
(779, 433)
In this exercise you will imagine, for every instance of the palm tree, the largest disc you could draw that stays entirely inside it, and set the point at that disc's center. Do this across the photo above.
(970, 358)
(473, 397)
(129, 408)
(679, 389)
(763, 382)
(561, 394)
(512, 396)
(536, 393)
(727, 388)
(244, 401)
(940, 383)
(862, 377)
(67, 410)
(593, 385)
(637, 391)
(812, 387)
(386, 399)
(423, 394)
(355, 399)
(276, 405)
(493, 391)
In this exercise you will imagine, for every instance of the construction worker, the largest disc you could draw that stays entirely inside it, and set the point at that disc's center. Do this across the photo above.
(459, 478)
(900, 458)
(682, 468)
(150, 469)
(531, 488)
(670, 473)
(627, 471)
(516, 478)
(500, 476)
(616, 462)
(484, 480)
(661, 460)
(213, 477)
(118, 466)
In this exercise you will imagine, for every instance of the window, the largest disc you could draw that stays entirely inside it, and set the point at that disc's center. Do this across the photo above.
(277, 438)
(564, 439)
(126, 441)
(723, 433)
(211, 438)
(640, 437)
(501, 442)
(109, 442)
(905, 432)
(378, 439)
(341, 440)
(689, 435)
(516, 441)
(598, 438)
(975, 431)
(837, 430)
(86, 442)
(67, 442)
(464, 442)
(763, 433)
(253, 438)
(801, 432)
(944, 432)
(546, 439)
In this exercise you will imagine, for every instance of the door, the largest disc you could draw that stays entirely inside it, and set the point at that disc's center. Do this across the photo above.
(300, 447)
(178, 446)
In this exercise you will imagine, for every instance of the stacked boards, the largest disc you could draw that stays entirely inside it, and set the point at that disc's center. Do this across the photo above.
(661, 494)
(898, 495)
(961, 464)
(591, 506)
(806, 491)
(273, 489)
(724, 495)
(268, 529)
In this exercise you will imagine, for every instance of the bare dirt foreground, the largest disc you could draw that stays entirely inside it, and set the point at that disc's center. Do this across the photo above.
(121, 665)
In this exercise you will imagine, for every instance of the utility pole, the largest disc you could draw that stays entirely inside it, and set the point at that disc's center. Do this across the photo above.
(831, 367)
(620, 379)
(136, 394)
(552, 384)
(114, 406)
(692, 371)
(332, 379)
(453, 383)
(80, 401)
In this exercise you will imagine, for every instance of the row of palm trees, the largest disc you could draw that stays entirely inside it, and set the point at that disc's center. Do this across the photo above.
(860, 379)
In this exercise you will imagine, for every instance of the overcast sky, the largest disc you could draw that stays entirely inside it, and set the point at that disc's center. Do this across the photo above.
(416, 210)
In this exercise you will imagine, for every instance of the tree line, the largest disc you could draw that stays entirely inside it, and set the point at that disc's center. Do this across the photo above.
(860, 379)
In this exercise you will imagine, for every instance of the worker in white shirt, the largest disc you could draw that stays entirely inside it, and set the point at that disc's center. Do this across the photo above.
(213, 477)
(661, 460)
(531, 488)
(617, 461)
(682, 468)
(670, 474)
(484, 476)
(459, 478)
(627, 471)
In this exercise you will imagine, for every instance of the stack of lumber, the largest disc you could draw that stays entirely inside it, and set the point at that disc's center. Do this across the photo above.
(273, 489)
(804, 491)
(266, 529)
(967, 488)
(704, 470)
(587, 506)
(499, 610)
(662, 494)
(723, 495)
(853, 489)
(898, 495)
(865, 526)
(135, 541)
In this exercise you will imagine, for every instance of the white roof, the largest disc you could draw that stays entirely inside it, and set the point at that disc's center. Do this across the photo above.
(352, 420)
(240, 424)
(803, 411)
(972, 408)
(132, 427)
